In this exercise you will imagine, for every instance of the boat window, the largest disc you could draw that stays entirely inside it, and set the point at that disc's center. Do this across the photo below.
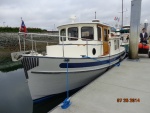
(108, 31)
(116, 43)
(125, 31)
(99, 33)
(105, 35)
(63, 33)
(73, 33)
(87, 33)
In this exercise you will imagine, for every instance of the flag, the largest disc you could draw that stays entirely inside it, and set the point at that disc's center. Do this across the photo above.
(117, 19)
(23, 27)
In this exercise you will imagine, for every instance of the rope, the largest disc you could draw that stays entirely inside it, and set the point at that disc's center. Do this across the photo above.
(67, 80)
(66, 103)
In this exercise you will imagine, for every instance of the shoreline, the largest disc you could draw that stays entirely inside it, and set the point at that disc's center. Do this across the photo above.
(9, 43)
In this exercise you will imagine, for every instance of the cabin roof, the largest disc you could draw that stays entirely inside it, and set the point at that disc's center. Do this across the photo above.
(86, 23)
(126, 26)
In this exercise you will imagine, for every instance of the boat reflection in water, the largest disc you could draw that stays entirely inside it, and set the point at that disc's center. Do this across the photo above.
(12, 77)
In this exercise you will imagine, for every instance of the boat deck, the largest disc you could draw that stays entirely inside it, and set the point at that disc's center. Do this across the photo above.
(123, 89)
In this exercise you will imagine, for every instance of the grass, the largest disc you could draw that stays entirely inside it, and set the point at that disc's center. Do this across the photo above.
(6, 64)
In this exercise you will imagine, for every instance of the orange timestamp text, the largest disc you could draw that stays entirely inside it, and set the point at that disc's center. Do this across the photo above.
(125, 100)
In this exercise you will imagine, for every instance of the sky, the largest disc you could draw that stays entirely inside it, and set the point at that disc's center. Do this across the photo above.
(48, 14)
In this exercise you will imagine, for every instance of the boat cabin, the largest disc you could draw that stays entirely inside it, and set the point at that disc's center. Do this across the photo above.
(89, 39)
(125, 29)
(81, 32)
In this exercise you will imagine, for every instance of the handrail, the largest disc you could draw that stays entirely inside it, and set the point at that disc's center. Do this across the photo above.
(84, 39)
(39, 41)
(22, 33)
(34, 42)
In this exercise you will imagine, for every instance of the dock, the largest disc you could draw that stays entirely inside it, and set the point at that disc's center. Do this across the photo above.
(122, 89)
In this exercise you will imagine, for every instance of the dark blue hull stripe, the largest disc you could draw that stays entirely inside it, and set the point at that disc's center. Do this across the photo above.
(89, 64)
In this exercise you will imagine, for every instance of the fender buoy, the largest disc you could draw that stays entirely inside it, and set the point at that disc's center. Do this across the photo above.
(143, 46)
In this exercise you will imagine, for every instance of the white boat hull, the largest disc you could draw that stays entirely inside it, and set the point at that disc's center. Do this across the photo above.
(47, 76)
(42, 85)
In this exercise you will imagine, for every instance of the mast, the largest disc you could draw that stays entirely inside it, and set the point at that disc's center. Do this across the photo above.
(122, 14)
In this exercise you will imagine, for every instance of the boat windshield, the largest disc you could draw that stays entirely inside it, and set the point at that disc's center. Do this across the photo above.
(73, 33)
(125, 31)
(87, 33)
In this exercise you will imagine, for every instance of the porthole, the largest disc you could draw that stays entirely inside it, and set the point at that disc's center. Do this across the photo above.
(94, 51)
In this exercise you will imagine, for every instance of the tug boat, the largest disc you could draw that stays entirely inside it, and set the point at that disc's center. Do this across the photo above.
(85, 51)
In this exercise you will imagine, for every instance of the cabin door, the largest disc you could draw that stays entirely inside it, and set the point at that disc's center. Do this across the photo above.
(105, 41)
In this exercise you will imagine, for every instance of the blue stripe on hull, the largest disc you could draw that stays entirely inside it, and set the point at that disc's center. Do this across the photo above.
(88, 64)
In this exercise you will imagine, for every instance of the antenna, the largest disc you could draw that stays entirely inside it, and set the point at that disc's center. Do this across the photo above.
(95, 14)
(122, 12)
(95, 20)
(73, 18)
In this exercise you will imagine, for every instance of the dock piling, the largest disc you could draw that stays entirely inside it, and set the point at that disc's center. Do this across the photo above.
(134, 28)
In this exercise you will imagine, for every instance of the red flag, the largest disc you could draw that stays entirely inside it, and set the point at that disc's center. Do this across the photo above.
(23, 27)
(117, 19)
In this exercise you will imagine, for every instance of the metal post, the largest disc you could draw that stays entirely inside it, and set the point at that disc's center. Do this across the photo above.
(32, 42)
(134, 28)
(24, 44)
(122, 13)
(109, 52)
(86, 48)
(35, 46)
(19, 42)
(63, 45)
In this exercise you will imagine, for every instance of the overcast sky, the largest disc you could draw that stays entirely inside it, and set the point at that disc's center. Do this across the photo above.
(48, 14)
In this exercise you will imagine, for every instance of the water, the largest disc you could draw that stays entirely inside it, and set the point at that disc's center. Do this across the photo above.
(50, 103)
(11, 78)
(15, 69)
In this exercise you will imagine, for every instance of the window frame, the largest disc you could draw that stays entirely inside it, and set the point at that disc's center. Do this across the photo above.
(63, 35)
(116, 44)
(99, 30)
(75, 38)
(89, 39)
(105, 35)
